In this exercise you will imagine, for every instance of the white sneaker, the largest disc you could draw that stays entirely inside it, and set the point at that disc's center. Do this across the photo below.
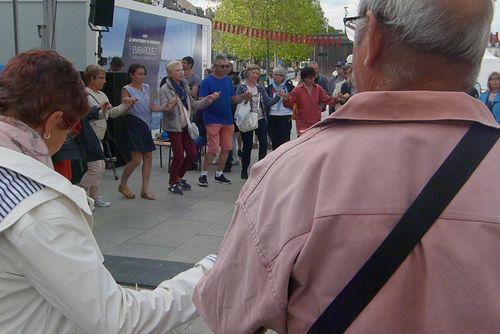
(101, 203)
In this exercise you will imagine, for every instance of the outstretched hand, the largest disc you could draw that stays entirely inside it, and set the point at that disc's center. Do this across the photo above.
(128, 101)
(212, 97)
(247, 96)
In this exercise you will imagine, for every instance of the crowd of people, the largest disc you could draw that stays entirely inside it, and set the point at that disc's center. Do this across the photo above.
(309, 216)
(210, 104)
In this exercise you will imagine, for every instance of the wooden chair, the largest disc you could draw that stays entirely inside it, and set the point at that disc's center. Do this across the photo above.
(161, 144)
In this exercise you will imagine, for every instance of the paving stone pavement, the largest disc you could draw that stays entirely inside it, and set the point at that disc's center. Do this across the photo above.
(174, 228)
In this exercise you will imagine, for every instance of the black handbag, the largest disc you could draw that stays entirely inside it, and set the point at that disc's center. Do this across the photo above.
(421, 215)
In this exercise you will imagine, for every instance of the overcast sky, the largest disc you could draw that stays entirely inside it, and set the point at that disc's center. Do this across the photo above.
(334, 11)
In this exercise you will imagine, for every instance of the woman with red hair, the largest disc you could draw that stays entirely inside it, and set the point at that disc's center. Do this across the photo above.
(51, 274)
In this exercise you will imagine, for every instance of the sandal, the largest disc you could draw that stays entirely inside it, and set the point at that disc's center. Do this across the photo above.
(149, 196)
(126, 192)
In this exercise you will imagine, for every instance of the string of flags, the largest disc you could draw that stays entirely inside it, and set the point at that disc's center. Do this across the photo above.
(277, 36)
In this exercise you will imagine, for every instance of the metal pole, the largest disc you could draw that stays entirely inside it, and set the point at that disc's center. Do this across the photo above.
(267, 42)
(48, 24)
(16, 32)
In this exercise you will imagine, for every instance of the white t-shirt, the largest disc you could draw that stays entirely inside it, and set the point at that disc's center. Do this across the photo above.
(256, 106)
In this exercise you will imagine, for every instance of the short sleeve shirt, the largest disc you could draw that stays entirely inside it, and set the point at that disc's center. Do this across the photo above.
(193, 80)
(219, 112)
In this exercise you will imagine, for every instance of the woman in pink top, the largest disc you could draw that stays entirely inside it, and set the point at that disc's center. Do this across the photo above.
(307, 96)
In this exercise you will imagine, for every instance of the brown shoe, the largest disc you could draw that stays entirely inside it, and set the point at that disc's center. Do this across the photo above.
(126, 192)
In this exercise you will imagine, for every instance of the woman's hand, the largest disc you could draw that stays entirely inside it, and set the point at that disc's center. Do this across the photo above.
(247, 96)
(170, 105)
(105, 106)
(128, 102)
(212, 97)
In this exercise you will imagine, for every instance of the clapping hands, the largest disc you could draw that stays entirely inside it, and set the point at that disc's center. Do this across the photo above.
(171, 103)
(283, 95)
(105, 106)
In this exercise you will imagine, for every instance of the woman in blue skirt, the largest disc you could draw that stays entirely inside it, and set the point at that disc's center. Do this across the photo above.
(140, 141)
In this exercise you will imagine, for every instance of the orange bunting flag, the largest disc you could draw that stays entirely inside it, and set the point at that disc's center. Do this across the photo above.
(284, 37)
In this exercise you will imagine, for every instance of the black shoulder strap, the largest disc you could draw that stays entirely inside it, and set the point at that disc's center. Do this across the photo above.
(423, 212)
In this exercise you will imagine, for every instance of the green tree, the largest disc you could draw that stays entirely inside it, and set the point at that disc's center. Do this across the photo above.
(291, 16)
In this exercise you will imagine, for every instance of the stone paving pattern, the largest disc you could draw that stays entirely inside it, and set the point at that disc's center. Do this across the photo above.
(174, 228)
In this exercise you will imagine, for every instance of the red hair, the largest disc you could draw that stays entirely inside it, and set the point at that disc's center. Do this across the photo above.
(37, 83)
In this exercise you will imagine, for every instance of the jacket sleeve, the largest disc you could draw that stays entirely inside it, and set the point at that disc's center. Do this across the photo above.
(62, 264)
(199, 104)
(325, 98)
(293, 98)
(242, 293)
(165, 96)
(117, 111)
(240, 89)
(267, 101)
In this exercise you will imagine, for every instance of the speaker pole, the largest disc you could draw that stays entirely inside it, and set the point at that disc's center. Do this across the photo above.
(99, 30)
(48, 40)
(16, 25)
(100, 61)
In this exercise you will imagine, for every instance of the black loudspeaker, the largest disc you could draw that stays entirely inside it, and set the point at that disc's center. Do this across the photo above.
(113, 86)
(101, 12)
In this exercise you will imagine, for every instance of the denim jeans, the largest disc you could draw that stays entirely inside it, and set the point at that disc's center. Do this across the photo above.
(247, 138)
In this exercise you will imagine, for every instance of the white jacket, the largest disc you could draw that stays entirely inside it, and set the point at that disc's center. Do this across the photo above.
(52, 279)
(100, 125)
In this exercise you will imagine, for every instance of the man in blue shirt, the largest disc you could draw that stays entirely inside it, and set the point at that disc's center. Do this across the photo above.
(219, 119)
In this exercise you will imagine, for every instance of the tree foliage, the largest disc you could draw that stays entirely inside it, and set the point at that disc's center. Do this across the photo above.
(290, 16)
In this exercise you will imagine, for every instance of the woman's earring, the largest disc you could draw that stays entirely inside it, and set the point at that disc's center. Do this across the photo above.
(46, 135)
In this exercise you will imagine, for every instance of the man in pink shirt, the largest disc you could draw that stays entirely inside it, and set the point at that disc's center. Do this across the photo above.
(308, 97)
(315, 209)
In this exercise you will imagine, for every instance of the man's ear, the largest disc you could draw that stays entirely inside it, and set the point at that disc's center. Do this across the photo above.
(374, 40)
(53, 120)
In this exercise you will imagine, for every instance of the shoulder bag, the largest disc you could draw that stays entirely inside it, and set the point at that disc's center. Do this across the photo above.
(193, 130)
(245, 118)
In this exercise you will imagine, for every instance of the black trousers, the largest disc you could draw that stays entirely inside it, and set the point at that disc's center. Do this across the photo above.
(247, 138)
(279, 129)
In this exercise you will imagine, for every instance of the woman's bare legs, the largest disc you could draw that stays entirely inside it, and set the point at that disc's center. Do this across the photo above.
(135, 161)
(147, 162)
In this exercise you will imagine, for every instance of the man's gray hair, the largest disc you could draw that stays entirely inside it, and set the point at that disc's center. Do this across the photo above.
(171, 65)
(433, 26)
(220, 57)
